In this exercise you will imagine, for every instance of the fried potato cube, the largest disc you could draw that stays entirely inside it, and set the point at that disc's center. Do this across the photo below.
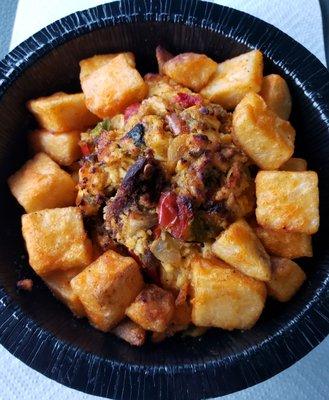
(234, 78)
(294, 164)
(91, 64)
(190, 69)
(59, 284)
(182, 317)
(239, 246)
(223, 297)
(41, 184)
(276, 94)
(61, 147)
(113, 87)
(107, 287)
(285, 244)
(130, 332)
(162, 56)
(62, 112)
(152, 309)
(267, 139)
(288, 200)
(56, 240)
(287, 278)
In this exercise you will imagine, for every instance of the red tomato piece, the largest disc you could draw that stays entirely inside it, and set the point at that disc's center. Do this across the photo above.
(167, 209)
(174, 214)
(84, 148)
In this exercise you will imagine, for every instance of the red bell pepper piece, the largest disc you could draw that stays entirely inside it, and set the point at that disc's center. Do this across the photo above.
(174, 214)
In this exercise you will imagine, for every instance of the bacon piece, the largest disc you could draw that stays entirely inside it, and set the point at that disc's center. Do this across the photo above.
(131, 110)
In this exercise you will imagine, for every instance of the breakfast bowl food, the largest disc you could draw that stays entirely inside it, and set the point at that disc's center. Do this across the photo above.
(37, 328)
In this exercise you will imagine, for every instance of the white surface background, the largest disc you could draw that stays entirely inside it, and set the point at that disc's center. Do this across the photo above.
(307, 379)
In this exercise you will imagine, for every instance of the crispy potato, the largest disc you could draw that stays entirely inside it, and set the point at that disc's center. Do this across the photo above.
(107, 287)
(190, 69)
(130, 332)
(152, 309)
(276, 94)
(180, 321)
(223, 297)
(91, 64)
(113, 87)
(162, 56)
(234, 78)
(285, 244)
(294, 164)
(56, 240)
(59, 284)
(267, 139)
(239, 247)
(287, 278)
(41, 184)
(63, 148)
(288, 200)
(182, 317)
(62, 112)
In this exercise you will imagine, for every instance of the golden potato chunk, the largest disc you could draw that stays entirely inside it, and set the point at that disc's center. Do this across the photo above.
(61, 147)
(62, 112)
(287, 278)
(59, 284)
(130, 332)
(267, 139)
(152, 309)
(162, 56)
(234, 78)
(276, 94)
(190, 69)
(91, 64)
(223, 297)
(41, 184)
(107, 287)
(288, 200)
(294, 164)
(56, 240)
(285, 244)
(239, 247)
(113, 87)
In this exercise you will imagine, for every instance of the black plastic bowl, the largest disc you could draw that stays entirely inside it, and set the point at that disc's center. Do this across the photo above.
(39, 330)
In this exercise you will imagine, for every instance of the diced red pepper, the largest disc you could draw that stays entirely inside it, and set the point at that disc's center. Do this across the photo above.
(188, 100)
(131, 110)
(84, 148)
(174, 214)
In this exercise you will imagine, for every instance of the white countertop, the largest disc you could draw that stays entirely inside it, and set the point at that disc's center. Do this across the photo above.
(307, 379)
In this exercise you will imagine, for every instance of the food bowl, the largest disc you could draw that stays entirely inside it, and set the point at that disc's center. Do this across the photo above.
(40, 331)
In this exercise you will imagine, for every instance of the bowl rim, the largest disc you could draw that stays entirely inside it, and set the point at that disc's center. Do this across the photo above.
(305, 330)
